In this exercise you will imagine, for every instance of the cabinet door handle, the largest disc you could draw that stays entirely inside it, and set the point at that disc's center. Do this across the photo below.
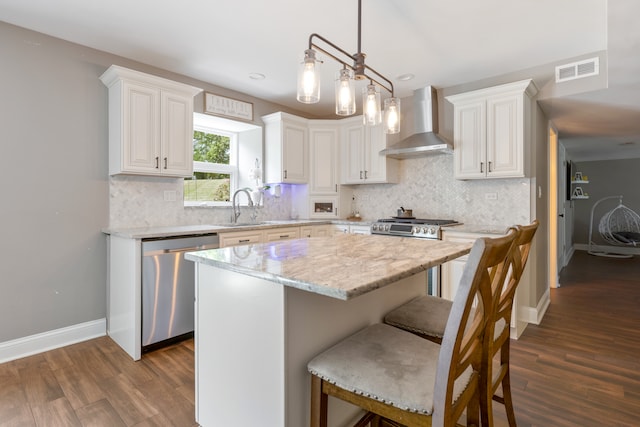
(284, 236)
(489, 169)
(165, 162)
(157, 162)
(336, 188)
(335, 211)
(244, 240)
(365, 174)
(481, 167)
(360, 174)
(285, 174)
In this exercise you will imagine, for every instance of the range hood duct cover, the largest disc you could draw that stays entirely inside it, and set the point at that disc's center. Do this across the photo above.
(425, 139)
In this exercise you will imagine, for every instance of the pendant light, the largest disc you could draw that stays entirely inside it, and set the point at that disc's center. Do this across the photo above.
(309, 78)
(353, 68)
(392, 115)
(371, 105)
(345, 93)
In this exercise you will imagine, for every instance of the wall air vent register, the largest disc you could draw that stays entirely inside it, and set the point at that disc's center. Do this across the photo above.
(578, 70)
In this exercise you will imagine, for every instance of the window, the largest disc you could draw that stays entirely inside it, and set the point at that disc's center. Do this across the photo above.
(215, 167)
(224, 151)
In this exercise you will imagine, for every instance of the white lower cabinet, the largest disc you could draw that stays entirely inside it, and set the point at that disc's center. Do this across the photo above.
(451, 273)
(275, 234)
(238, 238)
(352, 229)
(323, 230)
(250, 237)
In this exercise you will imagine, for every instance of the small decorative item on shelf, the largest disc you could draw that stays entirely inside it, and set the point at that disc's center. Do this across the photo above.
(578, 176)
(578, 193)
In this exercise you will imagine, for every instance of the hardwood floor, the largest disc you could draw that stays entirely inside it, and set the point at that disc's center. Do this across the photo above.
(580, 367)
(95, 383)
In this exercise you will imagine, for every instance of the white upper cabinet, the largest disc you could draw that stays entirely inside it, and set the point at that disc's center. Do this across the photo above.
(286, 149)
(150, 124)
(361, 160)
(323, 160)
(492, 131)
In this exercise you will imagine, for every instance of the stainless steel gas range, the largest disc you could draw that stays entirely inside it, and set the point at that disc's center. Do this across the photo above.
(412, 227)
(418, 228)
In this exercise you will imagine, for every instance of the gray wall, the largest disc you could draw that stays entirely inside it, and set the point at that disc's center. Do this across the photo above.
(53, 165)
(606, 178)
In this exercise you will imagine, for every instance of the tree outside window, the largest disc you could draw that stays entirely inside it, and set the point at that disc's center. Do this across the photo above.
(213, 167)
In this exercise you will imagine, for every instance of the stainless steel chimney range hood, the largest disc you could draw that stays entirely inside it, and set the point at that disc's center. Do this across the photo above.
(425, 139)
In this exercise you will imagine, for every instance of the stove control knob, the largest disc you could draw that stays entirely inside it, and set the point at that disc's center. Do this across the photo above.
(386, 228)
(416, 229)
(432, 230)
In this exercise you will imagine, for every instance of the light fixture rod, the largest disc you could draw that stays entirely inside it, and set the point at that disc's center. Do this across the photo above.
(358, 66)
(359, 27)
(387, 85)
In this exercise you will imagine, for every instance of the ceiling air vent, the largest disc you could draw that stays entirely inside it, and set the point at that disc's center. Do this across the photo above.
(577, 70)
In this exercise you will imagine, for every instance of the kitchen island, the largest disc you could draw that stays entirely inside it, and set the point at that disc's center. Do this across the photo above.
(263, 311)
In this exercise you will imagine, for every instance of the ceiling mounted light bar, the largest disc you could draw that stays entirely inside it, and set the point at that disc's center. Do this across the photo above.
(354, 68)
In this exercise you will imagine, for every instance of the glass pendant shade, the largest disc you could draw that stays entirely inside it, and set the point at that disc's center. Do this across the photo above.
(345, 93)
(372, 113)
(392, 115)
(309, 78)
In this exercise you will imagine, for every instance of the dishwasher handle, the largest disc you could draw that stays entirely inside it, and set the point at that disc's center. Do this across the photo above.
(179, 250)
(194, 248)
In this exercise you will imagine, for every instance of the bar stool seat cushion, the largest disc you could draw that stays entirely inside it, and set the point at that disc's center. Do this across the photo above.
(426, 315)
(404, 364)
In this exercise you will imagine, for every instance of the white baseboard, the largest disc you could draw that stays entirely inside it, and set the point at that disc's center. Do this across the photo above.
(38, 343)
(535, 315)
(628, 250)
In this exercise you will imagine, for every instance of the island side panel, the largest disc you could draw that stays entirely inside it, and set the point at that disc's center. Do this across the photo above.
(315, 322)
(124, 294)
(239, 349)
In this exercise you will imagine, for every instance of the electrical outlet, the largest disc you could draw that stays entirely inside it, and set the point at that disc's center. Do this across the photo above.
(491, 196)
(170, 196)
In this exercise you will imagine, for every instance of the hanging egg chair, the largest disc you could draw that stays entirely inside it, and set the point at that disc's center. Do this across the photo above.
(619, 227)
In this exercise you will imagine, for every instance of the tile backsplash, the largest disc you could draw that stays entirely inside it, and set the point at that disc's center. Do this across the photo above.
(426, 186)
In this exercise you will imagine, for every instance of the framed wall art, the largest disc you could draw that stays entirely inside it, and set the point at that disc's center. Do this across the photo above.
(227, 107)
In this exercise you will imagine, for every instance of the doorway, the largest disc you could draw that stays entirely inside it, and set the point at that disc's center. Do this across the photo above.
(556, 208)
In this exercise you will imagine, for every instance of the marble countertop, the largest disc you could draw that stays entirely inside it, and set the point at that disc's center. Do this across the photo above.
(343, 266)
(184, 230)
(477, 229)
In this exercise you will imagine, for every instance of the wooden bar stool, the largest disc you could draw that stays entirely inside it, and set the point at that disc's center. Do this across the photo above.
(401, 377)
(424, 316)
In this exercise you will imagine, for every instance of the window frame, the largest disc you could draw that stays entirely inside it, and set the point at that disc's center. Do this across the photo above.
(232, 168)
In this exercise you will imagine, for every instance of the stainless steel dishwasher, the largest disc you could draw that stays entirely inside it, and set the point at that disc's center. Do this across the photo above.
(168, 288)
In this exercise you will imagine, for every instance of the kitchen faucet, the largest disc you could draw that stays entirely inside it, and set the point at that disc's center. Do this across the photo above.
(236, 208)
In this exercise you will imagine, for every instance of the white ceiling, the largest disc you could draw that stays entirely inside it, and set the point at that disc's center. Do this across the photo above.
(444, 44)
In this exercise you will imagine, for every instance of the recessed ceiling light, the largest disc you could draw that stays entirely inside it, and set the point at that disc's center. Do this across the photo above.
(256, 76)
(405, 77)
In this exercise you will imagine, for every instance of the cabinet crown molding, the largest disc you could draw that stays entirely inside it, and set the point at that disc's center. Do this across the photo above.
(116, 73)
(526, 86)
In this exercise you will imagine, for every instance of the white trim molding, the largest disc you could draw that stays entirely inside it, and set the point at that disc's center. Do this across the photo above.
(627, 250)
(535, 315)
(39, 343)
